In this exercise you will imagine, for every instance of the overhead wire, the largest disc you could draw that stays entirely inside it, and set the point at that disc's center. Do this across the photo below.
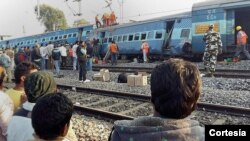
(154, 13)
(70, 8)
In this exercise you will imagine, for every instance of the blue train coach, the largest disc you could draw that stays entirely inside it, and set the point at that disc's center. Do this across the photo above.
(70, 35)
(225, 15)
(165, 35)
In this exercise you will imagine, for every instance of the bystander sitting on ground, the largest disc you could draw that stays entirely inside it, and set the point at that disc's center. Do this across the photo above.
(17, 93)
(51, 117)
(175, 89)
(36, 85)
(6, 108)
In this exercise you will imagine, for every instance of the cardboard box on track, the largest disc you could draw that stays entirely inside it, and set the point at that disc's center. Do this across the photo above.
(103, 75)
(98, 77)
(136, 80)
(141, 80)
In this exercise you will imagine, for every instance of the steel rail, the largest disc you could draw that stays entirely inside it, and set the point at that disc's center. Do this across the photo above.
(100, 113)
(230, 110)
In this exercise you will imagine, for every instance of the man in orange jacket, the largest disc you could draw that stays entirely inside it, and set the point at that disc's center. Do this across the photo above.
(113, 48)
(241, 43)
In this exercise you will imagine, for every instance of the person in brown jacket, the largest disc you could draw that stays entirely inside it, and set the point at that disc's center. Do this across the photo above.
(175, 89)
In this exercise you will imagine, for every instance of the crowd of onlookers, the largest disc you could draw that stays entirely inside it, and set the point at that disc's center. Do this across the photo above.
(52, 56)
(34, 110)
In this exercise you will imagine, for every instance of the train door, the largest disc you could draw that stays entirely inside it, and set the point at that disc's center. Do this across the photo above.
(79, 37)
(102, 40)
(169, 30)
(242, 17)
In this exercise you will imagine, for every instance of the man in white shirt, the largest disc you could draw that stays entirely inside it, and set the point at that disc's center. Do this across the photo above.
(43, 52)
(74, 55)
(63, 52)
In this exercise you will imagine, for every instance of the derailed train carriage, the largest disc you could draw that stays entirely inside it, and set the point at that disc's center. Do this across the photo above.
(181, 34)
(70, 35)
(174, 35)
(165, 35)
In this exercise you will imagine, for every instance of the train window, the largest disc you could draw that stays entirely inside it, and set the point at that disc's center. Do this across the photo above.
(105, 40)
(64, 36)
(51, 38)
(35, 41)
(158, 34)
(185, 33)
(43, 39)
(56, 38)
(137, 36)
(110, 39)
(74, 35)
(70, 35)
(130, 37)
(143, 36)
(60, 37)
(125, 38)
(21, 43)
(115, 38)
(150, 35)
(119, 38)
(28, 42)
(87, 33)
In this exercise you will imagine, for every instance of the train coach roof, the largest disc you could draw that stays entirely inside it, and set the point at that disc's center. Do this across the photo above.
(162, 18)
(220, 4)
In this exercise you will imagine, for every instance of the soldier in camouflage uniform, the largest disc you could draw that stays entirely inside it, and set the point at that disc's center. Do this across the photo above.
(212, 49)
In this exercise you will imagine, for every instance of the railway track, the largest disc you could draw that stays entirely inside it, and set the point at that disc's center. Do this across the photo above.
(225, 73)
(141, 103)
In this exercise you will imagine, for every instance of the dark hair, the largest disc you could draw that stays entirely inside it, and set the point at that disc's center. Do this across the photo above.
(23, 69)
(50, 115)
(122, 78)
(175, 88)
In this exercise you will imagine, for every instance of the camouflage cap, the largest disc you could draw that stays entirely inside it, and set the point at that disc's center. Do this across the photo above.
(38, 84)
(211, 25)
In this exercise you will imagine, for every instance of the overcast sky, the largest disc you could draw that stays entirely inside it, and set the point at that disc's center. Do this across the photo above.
(18, 17)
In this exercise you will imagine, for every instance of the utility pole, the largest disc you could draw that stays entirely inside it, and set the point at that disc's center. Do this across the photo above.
(38, 8)
(24, 32)
(121, 2)
(79, 6)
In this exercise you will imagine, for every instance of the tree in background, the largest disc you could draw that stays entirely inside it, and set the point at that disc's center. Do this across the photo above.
(80, 22)
(52, 18)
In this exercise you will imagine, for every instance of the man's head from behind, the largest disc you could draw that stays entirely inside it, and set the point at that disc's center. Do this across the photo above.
(51, 116)
(211, 26)
(22, 70)
(39, 84)
(175, 88)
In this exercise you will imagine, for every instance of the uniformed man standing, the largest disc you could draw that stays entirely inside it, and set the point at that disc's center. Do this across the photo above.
(212, 49)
